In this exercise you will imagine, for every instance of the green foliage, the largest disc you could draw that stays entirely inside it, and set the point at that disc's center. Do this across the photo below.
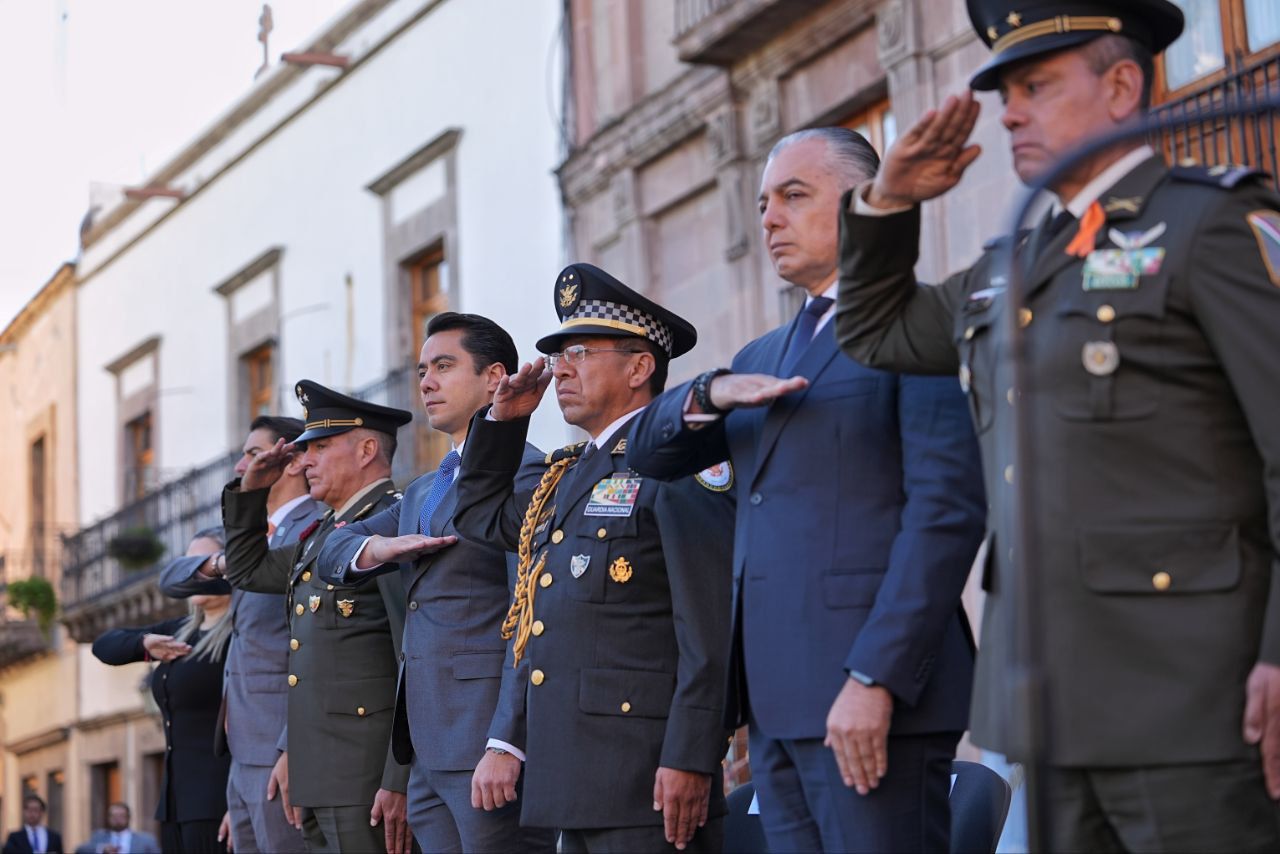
(136, 548)
(34, 595)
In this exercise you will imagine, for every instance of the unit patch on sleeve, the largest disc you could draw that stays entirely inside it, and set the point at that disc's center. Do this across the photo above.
(718, 478)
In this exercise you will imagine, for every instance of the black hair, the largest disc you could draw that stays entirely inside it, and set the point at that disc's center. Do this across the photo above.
(279, 426)
(486, 342)
(32, 796)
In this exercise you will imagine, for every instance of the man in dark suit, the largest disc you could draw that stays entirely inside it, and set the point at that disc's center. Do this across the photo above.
(254, 689)
(451, 667)
(619, 624)
(33, 837)
(1152, 300)
(344, 642)
(859, 515)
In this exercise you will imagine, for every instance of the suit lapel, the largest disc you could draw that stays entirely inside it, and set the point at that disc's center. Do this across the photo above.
(815, 360)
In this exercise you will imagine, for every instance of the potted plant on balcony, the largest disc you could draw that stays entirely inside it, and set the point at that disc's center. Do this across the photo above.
(34, 596)
(136, 548)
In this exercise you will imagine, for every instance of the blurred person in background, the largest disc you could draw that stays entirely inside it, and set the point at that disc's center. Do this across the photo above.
(117, 837)
(33, 837)
(187, 686)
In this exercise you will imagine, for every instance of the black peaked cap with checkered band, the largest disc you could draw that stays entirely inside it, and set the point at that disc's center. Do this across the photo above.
(591, 302)
(325, 412)
(1019, 29)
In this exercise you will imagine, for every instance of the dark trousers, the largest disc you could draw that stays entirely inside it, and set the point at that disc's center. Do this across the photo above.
(805, 805)
(639, 840)
(1213, 806)
(443, 819)
(191, 837)
(342, 830)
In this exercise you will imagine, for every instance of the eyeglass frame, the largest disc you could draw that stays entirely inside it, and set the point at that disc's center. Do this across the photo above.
(581, 352)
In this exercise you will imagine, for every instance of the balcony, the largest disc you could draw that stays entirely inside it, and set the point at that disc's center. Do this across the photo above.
(721, 32)
(1249, 139)
(100, 592)
(22, 637)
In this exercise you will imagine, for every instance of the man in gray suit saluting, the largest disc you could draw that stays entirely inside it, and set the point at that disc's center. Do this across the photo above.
(254, 698)
(447, 702)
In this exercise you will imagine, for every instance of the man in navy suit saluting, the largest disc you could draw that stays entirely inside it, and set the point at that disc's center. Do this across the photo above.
(860, 509)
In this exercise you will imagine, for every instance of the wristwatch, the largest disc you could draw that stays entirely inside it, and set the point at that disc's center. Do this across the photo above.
(498, 751)
(859, 676)
(702, 391)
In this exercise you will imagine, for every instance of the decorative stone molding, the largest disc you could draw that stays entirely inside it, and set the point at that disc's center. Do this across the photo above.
(766, 115)
(722, 136)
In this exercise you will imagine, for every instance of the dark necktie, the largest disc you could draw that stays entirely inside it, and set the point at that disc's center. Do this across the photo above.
(803, 335)
(439, 486)
(1053, 227)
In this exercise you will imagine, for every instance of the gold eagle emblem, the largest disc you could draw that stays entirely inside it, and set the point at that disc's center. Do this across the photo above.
(346, 607)
(568, 295)
(620, 570)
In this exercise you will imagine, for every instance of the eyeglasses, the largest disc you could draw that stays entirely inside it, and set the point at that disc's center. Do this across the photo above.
(578, 352)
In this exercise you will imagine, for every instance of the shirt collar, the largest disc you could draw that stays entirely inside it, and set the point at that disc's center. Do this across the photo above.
(360, 496)
(281, 513)
(1105, 180)
(607, 433)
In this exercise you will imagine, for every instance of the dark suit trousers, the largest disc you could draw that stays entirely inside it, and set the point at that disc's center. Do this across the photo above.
(1214, 806)
(638, 840)
(805, 805)
(191, 837)
(443, 820)
(341, 830)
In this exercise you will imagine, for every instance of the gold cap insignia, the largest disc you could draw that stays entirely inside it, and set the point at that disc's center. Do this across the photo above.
(568, 295)
(620, 570)
(346, 607)
(313, 602)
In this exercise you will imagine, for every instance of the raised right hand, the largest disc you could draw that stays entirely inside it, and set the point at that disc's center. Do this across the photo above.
(731, 391)
(267, 467)
(164, 647)
(930, 158)
(519, 394)
(403, 548)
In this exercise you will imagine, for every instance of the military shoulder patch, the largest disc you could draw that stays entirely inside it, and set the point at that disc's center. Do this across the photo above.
(1223, 175)
(718, 478)
(1266, 230)
(566, 452)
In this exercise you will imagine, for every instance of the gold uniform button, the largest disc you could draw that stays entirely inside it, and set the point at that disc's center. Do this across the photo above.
(968, 333)
(299, 609)
(1024, 317)
(360, 711)
(1161, 580)
(293, 643)
(306, 576)
(557, 535)
(536, 677)
(545, 580)
(537, 628)
(626, 707)
(1008, 474)
(293, 680)
(1106, 313)
(602, 533)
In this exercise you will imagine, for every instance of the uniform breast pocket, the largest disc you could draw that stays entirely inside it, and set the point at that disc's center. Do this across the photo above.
(975, 342)
(603, 554)
(1107, 352)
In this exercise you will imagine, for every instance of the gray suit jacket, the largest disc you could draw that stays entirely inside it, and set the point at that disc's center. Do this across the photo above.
(450, 674)
(141, 843)
(255, 692)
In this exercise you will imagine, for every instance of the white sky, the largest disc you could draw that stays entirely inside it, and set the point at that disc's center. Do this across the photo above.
(105, 91)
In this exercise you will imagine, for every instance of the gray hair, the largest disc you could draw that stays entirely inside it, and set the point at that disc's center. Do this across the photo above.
(851, 156)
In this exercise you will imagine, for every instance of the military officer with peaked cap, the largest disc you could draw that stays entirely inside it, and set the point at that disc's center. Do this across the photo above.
(1152, 363)
(619, 624)
(345, 787)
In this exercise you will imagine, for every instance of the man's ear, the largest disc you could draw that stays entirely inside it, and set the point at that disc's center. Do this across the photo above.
(641, 370)
(293, 468)
(492, 376)
(1124, 85)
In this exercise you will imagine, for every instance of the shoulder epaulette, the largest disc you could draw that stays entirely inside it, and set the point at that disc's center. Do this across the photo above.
(1223, 175)
(1004, 240)
(363, 511)
(566, 452)
(395, 493)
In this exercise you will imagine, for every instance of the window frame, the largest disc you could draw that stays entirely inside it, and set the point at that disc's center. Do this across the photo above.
(1236, 56)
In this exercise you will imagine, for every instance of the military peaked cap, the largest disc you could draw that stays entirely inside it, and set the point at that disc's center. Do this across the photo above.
(328, 413)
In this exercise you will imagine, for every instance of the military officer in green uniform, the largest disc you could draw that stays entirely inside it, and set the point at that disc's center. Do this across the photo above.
(1152, 363)
(620, 619)
(345, 789)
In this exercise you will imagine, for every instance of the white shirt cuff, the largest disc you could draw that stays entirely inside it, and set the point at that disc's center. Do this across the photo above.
(502, 745)
(352, 566)
(696, 417)
(862, 207)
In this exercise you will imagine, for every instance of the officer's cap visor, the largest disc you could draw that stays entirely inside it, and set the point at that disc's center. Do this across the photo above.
(554, 342)
(987, 78)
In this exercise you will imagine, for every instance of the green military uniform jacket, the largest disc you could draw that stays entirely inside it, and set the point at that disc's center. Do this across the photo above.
(344, 652)
(624, 670)
(1153, 403)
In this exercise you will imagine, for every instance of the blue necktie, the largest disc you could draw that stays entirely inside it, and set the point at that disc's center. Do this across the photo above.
(805, 326)
(439, 486)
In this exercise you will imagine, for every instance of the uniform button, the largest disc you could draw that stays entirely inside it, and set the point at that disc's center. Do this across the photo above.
(1161, 581)
(1106, 313)
(306, 576)
(293, 643)
(626, 707)
(968, 333)
(168, 723)
(1024, 317)
(756, 498)
(557, 535)
(1008, 474)
(328, 587)
(545, 580)
(299, 609)
(413, 605)
(602, 533)
(293, 680)
(538, 628)
(1008, 395)
(536, 677)
(360, 711)
(170, 747)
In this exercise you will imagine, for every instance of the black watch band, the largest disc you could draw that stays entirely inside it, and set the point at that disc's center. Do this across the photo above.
(702, 390)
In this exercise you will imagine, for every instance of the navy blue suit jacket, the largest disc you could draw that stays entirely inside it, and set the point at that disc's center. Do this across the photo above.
(860, 509)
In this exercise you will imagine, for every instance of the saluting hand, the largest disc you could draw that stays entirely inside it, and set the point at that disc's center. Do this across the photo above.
(930, 158)
(389, 808)
(731, 391)
(858, 734)
(683, 798)
(519, 394)
(379, 550)
(1262, 720)
(268, 466)
(164, 647)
